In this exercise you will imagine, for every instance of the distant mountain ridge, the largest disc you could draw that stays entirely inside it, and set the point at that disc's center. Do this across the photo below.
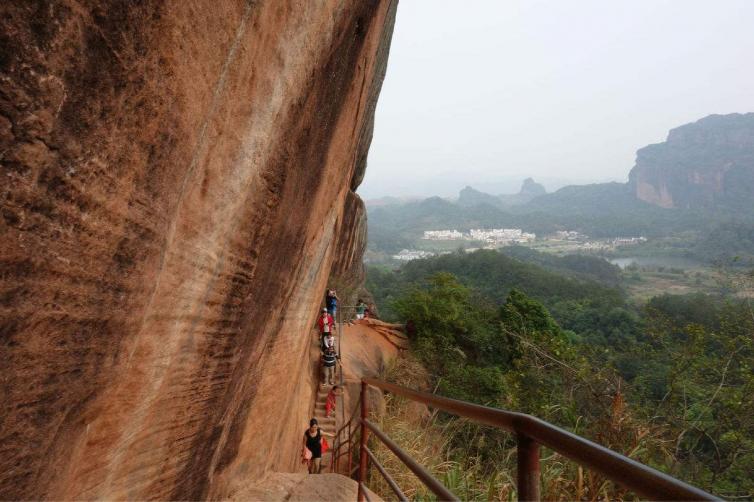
(707, 164)
(469, 197)
(704, 174)
(389, 200)
(575, 199)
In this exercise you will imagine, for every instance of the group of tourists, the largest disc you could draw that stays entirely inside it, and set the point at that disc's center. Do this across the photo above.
(327, 326)
(331, 305)
(315, 443)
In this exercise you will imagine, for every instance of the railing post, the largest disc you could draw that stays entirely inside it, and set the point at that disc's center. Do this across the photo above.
(363, 450)
(334, 452)
(350, 452)
(527, 452)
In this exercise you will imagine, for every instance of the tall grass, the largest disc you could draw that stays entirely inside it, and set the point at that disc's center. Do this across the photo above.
(449, 448)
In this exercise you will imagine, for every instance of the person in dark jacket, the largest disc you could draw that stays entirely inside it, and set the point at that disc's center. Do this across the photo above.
(331, 301)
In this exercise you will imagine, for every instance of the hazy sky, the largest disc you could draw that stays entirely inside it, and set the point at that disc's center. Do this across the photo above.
(486, 92)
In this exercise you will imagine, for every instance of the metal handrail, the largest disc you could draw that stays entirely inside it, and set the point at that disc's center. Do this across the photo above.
(390, 481)
(356, 408)
(363, 491)
(423, 474)
(336, 453)
(532, 432)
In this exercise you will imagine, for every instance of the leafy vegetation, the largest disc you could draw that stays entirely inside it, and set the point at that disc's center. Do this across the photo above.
(727, 241)
(668, 383)
(577, 304)
(577, 266)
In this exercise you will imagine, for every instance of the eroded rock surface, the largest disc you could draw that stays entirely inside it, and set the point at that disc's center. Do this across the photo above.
(282, 487)
(174, 183)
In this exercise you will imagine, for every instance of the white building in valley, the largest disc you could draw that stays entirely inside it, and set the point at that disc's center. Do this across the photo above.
(628, 241)
(443, 235)
(501, 236)
(412, 254)
(491, 237)
(569, 235)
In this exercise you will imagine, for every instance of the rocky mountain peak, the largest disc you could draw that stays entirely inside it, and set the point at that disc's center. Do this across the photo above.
(531, 187)
(708, 163)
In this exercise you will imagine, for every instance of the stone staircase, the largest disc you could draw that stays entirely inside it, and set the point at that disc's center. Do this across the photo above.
(326, 425)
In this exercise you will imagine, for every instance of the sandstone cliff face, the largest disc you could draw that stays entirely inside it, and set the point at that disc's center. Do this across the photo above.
(176, 183)
(709, 163)
(348, 273)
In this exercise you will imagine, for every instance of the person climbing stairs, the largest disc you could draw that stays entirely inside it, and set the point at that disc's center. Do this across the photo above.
(327, 425)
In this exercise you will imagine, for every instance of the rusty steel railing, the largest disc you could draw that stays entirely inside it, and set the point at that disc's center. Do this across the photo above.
(345, 448)
(531, 433)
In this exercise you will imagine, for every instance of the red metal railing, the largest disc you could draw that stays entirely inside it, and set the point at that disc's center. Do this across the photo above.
(345, 448)
(531, 432)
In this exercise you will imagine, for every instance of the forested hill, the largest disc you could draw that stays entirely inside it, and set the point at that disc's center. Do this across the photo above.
(668, 382)
(584, 199)
(577, 266)
(576, 299)
(494, 274)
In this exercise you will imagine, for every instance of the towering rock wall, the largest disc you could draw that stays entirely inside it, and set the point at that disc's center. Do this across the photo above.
(709, 163)
(177, 180)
